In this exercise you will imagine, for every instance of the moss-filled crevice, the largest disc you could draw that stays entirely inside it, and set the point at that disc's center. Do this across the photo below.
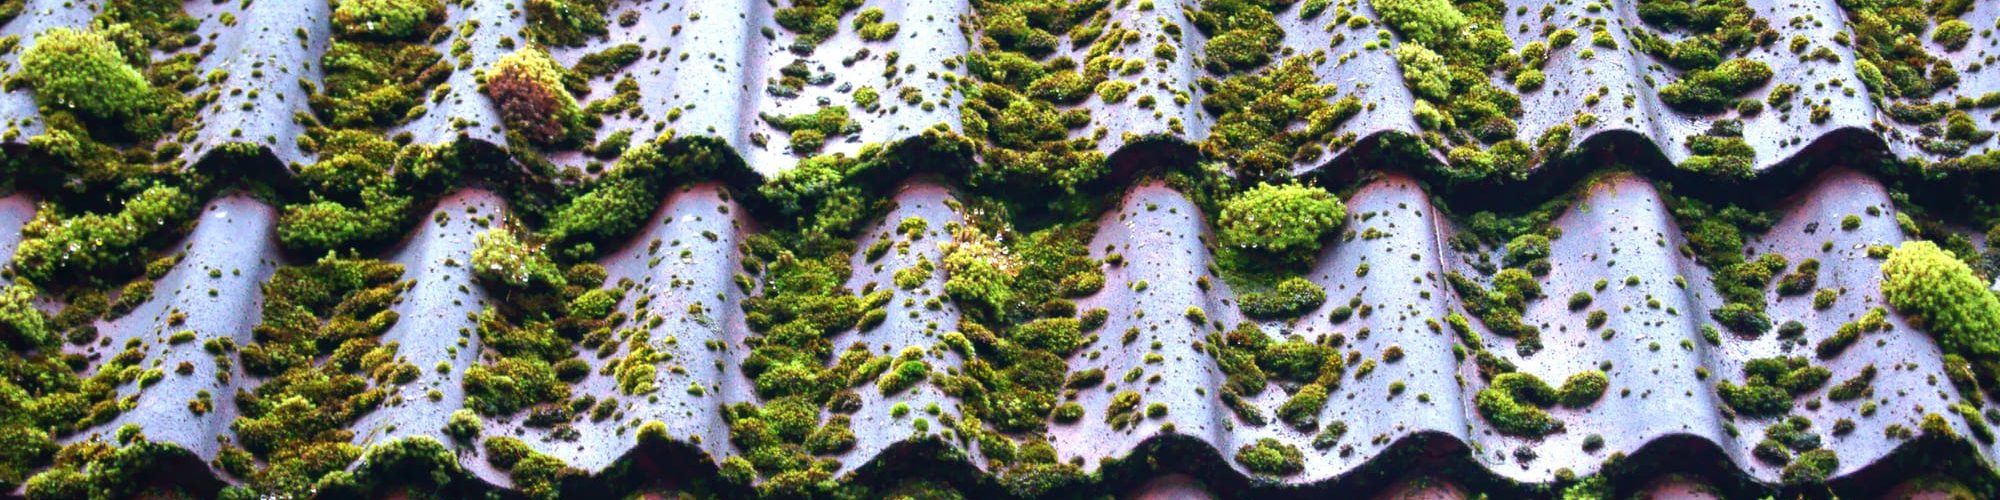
(1450, 50)
(1251, 360)
(323, 366)
(1514, 402)
(1014, 102)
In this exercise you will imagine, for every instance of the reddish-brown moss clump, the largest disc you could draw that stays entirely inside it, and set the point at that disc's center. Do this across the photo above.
(528, 87)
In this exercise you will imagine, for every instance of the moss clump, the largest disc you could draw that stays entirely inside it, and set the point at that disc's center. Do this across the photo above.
(1451, 52)
(1526, 250)
(1952, 34)
(84, 71)
(1293, 297)
(387, 19)
(607, 61)
(1242, 34)
(811, 130)
(1023, 138)
(1583, 388)
(373, 81)
(95, 469)
(1500, 308)
(1719, 28)
(1769, 384)
(813, 20)
(1271, 457)
(57, 247)
(500, 259)
(1715, 89)
(1715, 236)
(1942, 295)
(868, 24)
(1249, 359)
(1255, 116)
(1287, 221)
(317, 345)
(565, 23)
(527, 85)
(1302, 410)
(1893, 63)
(1721, 152)
(1514, 401)
(1028, 143)
(1428, 22)
(535, 474)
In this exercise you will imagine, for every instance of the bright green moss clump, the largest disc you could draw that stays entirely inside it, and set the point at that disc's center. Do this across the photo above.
(501, 259)
(1893, 62)
(1024, 139)
(565, 23)
(1428, 22)
(1272, 457)
(387, 19)
(1941, 295)
(1242, 34)
(869, 25)
(1449, 58)
(84, 71)
(1289, 221)
(374, 81)
(813, 20)
(1714, 89)
(96, 469)
(54, 245)
(1293, 297)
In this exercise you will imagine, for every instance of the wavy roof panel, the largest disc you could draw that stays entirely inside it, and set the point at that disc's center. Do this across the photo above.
(716, 69)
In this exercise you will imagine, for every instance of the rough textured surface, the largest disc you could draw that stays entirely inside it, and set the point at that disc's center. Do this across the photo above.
(709, 60)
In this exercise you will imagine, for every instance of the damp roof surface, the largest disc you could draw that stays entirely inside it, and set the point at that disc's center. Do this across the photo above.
(974, 134)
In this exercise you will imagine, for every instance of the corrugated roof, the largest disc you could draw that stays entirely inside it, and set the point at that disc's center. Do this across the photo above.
(706, 71)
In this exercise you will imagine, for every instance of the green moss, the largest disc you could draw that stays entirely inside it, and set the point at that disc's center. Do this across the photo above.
(1271, 457)
(84, 71)
(1583, 388)
(1289, 221)
(332, 310)
(608, 61)
(116, 242)
(387, 19)
(1428, 22)
(1269, 120)
(527, 86)
(1302, 410)
(1891, 62)
(565, 23)
(1293, 297)
(1242, 34)
(868, 24)
(1513, 403)
(813, 20)
(501, 259)
(810, 130)
(1941, 295)
(1770, 384)
(1721, 152)
(1500, 310)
